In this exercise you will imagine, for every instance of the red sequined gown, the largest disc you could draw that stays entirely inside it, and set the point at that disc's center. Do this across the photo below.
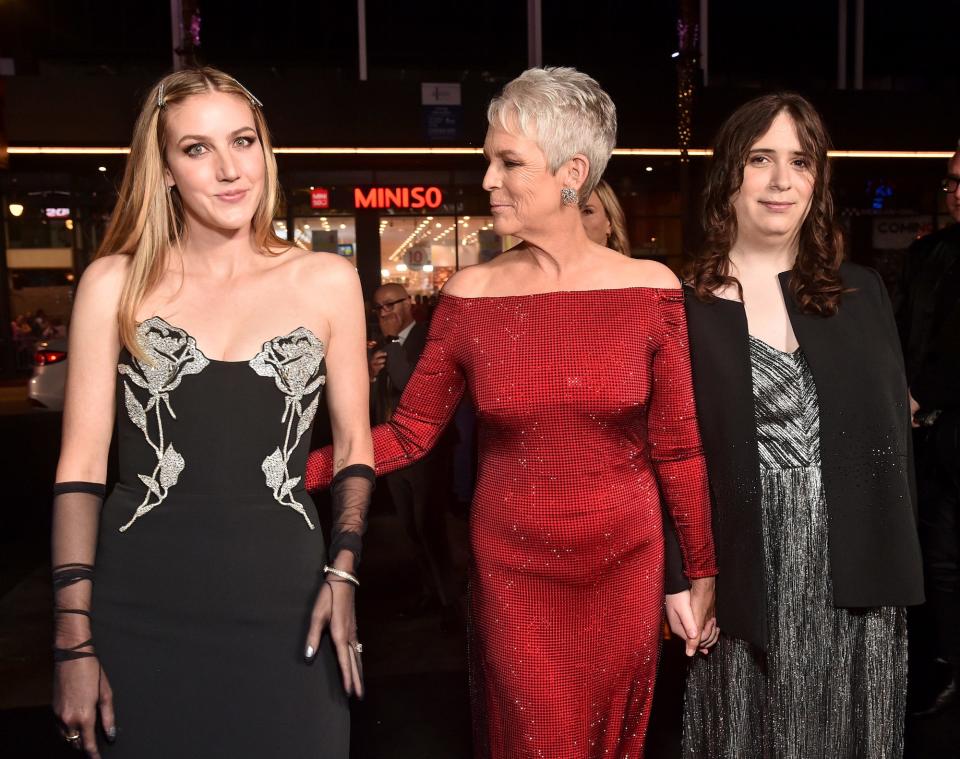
(586, 416)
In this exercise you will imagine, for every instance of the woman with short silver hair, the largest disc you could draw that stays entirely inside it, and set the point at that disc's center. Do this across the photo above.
(576, 360)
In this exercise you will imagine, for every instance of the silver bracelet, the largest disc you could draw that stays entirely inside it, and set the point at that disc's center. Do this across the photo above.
(342, 574)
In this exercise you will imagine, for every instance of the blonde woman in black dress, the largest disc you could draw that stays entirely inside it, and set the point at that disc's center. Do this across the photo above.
(198, 613)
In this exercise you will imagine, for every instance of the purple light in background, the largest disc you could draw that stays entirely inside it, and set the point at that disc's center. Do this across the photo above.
(195, 22)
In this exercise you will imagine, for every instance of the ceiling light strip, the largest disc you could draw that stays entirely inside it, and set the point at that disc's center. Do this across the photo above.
(66, 151)
(626, 152)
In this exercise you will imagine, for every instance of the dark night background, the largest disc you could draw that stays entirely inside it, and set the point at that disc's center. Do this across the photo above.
(73, 72)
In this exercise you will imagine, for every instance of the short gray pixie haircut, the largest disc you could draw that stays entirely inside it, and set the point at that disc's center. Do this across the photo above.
(566, 112)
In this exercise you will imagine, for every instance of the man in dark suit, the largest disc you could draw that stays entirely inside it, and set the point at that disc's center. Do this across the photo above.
(420, 490)
(929, 322)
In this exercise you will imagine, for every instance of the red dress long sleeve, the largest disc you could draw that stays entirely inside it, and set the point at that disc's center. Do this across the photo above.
(674, 438)
(586, 416)
(428, 403)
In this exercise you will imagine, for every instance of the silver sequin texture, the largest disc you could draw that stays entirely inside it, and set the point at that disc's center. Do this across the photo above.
(833, 682)
(294, 362)
(171, 355)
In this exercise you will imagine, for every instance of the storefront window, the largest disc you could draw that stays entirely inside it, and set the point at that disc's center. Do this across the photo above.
(422, 252)
(330, 234)
(33, 231)
(478, 242)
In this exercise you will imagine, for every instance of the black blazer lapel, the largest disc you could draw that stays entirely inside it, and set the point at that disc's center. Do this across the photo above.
(723, 385)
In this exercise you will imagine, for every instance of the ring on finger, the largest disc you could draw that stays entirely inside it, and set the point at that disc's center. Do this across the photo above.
(72, 737)
(358, 647)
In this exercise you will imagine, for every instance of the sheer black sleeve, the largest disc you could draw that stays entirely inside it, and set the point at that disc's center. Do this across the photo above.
(350, 491)
(76, 515)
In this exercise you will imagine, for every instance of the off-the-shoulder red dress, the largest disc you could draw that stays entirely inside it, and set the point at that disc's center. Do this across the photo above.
(587, 419)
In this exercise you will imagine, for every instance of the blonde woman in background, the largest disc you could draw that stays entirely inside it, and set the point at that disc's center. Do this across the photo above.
(190, 604)
(604, 220)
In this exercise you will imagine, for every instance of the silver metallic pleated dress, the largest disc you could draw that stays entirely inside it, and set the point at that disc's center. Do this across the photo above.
(832, 684)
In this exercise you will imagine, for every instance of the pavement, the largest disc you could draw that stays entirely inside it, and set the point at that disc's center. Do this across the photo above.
(13, 399)
(417, 704)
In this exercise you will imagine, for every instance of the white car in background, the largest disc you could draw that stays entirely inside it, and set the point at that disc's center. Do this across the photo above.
(47, 386)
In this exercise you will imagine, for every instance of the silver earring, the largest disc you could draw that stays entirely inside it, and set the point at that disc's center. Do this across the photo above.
(569, 197)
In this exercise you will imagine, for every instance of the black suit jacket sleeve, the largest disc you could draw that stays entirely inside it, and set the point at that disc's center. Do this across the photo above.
(889, 316)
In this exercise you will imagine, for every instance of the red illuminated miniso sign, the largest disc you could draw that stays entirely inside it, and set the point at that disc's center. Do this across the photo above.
(397, 197)
(319, 197)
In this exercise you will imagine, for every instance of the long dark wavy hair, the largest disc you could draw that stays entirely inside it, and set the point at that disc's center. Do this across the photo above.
(815, 280)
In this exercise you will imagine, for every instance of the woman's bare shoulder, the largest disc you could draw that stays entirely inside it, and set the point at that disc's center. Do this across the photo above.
(105, 277)
(324, 270)
(107, 268)
(639, 272)
(326, 287)
(97, 301)
(469, 282)
(480, 280)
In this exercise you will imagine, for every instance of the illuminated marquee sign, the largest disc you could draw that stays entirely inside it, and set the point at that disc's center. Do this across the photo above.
(397, 197)
(56, 213)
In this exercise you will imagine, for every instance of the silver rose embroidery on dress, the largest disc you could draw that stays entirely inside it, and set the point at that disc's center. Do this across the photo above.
(172, 355)
(294, 363)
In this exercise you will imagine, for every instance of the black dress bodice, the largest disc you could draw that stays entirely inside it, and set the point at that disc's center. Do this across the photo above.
(209, 556)
(193, 425)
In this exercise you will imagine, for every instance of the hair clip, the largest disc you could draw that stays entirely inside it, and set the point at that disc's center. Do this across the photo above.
(254, 100)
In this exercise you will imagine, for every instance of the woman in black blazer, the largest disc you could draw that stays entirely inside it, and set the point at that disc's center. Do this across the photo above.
(804, 414)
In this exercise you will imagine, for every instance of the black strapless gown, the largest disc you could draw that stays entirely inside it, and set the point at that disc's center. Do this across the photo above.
(210, 557)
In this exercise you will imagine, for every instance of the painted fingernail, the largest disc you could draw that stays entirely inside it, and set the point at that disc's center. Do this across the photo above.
(112, 733)
(310, 652)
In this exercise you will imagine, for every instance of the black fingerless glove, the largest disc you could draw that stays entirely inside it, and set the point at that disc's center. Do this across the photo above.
(76, 506)
(350, 491)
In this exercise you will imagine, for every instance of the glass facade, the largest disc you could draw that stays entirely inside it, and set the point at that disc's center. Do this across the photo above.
(422, 252)
(34, 230)
(330, 234)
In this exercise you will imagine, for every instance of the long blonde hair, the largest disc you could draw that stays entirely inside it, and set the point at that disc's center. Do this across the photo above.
(148, 221)
(618, 239)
